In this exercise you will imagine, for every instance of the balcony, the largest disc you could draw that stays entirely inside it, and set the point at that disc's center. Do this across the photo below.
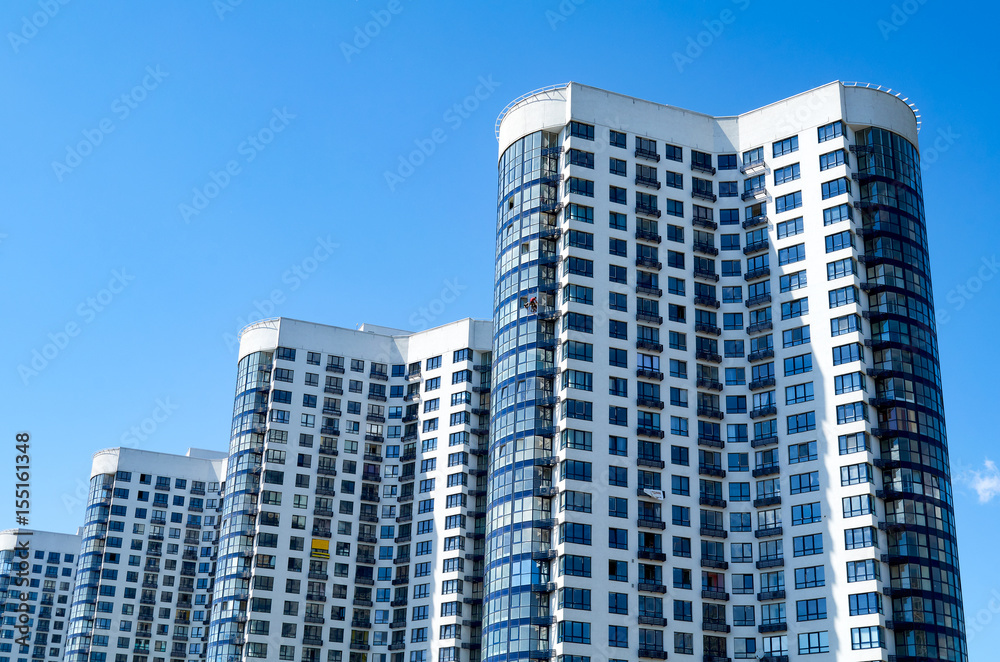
(750, 166)
(759, 442)
(708, 302)
(712, 357)
(766, 470)
(778, 562)
(713, 532)
(339, 369)
(649, 461)
(776, 594)
(316, 597)
(644, 235)
(754, 274)
(649, 374)
(649, 263)
(707, 223)
(649, 291)
(780, 626)
(318, 575)
(649, 317)
(410, 397)
(758, 384)
(711, 470)
(714, 502)
(650, 403)
(329, 430)
(652, 587)
(706, 248)
(649, 432)
(649, 155)
(335, 390)
(657, 621)
(757, 247)
(712, 594)
(328, 450)
(758, 300)
(649, 345)
(760, 355)
(754, 221)
(710, 412)
(647, 181)
(710, 384)
(761, 412)
(395, 625)
(651, 555)
(711, 442)
(651, 523)
(707, 275)
(647, 210)
(717, 564)
(654, 653)
(768, 532)
(708, 329)
(754, 193)
(764, 502)
(715, 626)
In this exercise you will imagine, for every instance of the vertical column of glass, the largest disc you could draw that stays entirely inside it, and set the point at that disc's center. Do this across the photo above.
(88, 569)
(518, 593)
(924, 582)
(227, 632)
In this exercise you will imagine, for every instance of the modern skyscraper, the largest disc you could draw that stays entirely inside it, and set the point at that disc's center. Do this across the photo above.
(717, 423)
(355, 495)
(144, 574)
(37, 572)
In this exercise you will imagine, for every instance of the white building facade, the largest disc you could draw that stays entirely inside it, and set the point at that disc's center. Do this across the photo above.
(147, 557)
(354, 505)
(37, 574)
(717, 419)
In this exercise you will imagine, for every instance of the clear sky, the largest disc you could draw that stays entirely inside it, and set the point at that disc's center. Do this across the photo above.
(172, 172)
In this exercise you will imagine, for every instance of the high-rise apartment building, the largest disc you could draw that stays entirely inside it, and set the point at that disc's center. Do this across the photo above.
(37, 573)
(354, 508)
(717, 419)
(146, 560)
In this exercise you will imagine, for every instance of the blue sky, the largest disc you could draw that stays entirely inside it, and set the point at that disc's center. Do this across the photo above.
(173, 172)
